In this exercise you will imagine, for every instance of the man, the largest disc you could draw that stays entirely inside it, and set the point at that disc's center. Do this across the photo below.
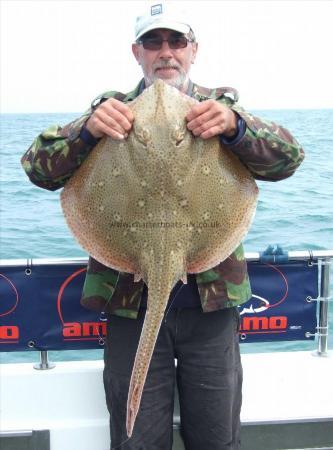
(201, 323)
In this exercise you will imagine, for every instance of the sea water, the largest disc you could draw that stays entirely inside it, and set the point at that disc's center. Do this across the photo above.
(295, 213)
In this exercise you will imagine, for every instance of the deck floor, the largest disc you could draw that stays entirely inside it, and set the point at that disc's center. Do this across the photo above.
(287, 403)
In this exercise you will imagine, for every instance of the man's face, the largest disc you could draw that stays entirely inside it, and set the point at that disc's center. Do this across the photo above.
(170, 65)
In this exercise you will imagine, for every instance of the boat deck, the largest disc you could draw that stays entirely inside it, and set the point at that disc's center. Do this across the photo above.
(287, 404)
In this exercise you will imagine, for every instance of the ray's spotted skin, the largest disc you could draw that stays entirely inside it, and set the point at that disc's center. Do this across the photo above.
(159, 204)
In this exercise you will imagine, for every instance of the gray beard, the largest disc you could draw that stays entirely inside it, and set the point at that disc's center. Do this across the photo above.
(180, 81)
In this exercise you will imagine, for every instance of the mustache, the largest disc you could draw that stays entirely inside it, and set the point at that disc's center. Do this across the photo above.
(166, 65)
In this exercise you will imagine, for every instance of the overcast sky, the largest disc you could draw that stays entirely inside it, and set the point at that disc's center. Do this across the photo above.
(56, 56)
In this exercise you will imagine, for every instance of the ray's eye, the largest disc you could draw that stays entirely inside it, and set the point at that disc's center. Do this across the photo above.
(178, 134)
(143, 135)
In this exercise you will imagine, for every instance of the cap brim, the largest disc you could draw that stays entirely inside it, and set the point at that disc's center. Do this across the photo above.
(180, 27)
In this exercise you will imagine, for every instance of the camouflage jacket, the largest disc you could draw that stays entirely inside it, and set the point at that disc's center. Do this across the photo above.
(268, 151)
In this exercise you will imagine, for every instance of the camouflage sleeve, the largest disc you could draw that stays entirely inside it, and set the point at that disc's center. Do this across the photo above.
(55, 154)
(268, 150)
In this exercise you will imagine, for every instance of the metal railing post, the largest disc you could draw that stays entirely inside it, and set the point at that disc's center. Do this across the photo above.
(44, 363)
(322, 349)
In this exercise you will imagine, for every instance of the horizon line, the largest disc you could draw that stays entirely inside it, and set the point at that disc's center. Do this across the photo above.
(287, 108)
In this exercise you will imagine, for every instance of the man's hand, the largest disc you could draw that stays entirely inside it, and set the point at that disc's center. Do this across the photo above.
(211, 118)
(112, 118)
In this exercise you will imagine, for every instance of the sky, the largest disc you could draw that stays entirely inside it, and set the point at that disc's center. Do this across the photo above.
(58, 55)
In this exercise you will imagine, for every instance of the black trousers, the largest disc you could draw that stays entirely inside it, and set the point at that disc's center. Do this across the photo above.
(208, 375)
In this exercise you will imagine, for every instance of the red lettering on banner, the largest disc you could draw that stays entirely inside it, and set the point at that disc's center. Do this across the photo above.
(254, 323)
(264, 323)
(86, 329)
(9, 332)
(72, 329)
(94, 329)
(278, 323)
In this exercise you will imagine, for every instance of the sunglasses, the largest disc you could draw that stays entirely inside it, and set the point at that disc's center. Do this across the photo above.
(155, 42)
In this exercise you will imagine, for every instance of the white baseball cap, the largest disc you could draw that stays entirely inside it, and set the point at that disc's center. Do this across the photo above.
(162, 15)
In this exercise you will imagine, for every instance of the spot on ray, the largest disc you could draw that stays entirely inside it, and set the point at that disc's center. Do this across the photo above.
(206, 170)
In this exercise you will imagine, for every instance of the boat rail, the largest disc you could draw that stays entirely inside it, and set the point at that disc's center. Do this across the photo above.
(320, 258)
(300, 255)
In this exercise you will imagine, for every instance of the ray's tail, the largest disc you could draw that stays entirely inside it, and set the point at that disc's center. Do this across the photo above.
(162, 276)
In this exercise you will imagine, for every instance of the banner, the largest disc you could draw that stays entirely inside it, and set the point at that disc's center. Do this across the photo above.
(279, 309)
(40, 306)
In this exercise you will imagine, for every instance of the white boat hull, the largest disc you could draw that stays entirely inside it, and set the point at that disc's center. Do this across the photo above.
(69, 399)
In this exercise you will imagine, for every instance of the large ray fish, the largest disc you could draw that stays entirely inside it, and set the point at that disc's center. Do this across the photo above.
(159, 204)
